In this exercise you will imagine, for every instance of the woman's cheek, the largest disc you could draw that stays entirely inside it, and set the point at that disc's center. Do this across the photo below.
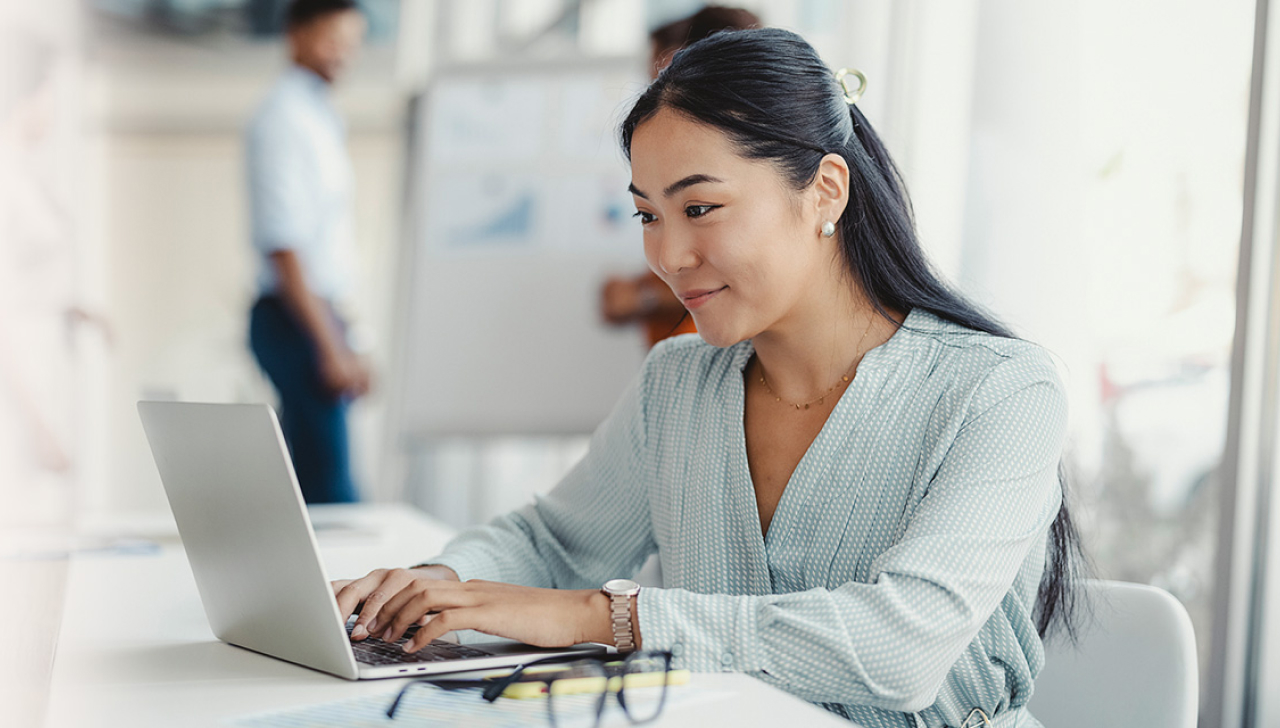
(651, 255)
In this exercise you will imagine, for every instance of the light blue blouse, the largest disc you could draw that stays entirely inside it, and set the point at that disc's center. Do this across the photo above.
(897, 582)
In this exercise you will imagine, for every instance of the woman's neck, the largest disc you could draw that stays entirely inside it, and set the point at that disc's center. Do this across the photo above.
(802, 357)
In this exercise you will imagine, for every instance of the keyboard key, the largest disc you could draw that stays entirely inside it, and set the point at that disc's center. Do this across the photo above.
(376, 652)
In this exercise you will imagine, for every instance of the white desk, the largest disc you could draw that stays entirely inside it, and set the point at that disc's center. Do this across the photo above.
(135, 649)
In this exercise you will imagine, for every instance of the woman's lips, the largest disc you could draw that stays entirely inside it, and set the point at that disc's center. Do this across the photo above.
(697, 298)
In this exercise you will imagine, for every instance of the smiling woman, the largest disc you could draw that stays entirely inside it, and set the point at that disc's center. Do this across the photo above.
(850, 475)
(737, 247)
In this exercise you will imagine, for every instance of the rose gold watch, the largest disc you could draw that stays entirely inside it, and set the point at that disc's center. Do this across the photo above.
(621, 592)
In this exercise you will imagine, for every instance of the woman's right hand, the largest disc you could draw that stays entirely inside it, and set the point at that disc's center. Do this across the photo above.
(371, 592)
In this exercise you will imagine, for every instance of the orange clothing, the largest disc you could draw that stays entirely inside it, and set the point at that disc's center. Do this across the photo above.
(665, 322)
(661, 326)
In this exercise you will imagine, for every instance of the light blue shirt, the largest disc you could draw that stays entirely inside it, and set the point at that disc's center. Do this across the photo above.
(300, 184)
(901, 565)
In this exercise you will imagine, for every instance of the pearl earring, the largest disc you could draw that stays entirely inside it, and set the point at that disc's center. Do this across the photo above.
(828, 229)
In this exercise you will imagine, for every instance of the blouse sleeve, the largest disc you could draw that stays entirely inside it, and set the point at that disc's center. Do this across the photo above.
(889, 643)
(592, 527)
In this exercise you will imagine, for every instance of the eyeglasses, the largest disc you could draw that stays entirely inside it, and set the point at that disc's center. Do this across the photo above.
(579, 689)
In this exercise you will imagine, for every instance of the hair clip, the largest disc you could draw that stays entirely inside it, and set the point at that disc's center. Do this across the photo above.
(851, 96)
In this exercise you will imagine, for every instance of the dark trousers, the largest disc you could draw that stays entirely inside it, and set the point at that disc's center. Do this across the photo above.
(314, 421)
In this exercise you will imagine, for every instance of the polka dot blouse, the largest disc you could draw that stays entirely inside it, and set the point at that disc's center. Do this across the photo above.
(897, 581)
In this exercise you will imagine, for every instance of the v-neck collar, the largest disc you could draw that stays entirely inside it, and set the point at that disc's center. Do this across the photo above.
(917, 321)
(854, 405)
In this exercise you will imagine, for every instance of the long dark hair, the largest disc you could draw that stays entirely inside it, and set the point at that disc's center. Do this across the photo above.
(771, 94)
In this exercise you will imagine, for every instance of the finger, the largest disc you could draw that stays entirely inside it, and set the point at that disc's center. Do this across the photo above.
(421, 604)
(337, 585)
(448, 621)
(437, 597)
(349, 596)
(393, 582)
(397, 605)
(353, 592)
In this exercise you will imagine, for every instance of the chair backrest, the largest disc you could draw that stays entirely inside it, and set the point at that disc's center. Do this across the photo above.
(1135, 664)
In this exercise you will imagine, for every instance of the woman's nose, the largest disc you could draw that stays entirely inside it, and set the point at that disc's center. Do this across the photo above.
(673, 252)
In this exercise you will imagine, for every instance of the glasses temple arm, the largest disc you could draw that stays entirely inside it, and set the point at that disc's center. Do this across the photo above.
(493, 690)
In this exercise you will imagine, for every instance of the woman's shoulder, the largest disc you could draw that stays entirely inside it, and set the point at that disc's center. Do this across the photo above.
(994, 366)
(688, 350)
(688, 361)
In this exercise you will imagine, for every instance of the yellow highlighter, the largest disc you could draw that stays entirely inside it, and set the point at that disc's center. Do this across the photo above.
(585, 678)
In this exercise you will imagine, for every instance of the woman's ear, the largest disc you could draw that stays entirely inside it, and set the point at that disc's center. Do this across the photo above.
(831, 188)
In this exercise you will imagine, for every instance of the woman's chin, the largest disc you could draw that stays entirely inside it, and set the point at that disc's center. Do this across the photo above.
(718, 336)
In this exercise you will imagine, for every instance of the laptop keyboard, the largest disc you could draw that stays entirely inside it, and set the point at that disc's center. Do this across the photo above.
(373, 651)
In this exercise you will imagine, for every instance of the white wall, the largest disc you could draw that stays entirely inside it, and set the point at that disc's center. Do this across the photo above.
(179, 272)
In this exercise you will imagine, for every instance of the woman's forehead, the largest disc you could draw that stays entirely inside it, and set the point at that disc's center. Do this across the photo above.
(670, 146)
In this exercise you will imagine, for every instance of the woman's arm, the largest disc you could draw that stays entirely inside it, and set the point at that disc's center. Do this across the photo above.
(594, 526)
(891, 642)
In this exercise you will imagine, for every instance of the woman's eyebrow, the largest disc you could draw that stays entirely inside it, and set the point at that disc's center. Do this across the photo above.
(691, 180)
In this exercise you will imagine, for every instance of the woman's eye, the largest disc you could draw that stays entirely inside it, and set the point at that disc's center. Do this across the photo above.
(698, 210)
(645, 217)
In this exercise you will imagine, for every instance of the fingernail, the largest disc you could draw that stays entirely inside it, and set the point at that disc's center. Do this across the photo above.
(373, 625)
(406, 647)
(359, 632)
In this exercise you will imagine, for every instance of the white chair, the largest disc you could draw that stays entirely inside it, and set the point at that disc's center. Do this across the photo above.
(1134, 666)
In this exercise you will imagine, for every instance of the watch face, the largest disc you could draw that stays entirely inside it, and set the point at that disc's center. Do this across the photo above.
(621, 587)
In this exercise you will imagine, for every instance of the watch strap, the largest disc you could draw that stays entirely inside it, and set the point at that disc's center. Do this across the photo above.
(620, 615)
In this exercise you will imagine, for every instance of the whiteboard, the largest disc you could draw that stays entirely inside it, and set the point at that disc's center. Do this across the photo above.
(520, 210)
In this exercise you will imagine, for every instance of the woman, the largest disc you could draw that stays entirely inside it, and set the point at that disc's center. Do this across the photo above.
(645, 299)
(851, 479)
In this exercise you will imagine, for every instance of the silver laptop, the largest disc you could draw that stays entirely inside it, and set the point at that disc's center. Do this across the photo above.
(253, 552)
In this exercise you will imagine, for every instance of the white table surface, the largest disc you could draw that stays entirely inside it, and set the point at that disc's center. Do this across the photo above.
(135, 649)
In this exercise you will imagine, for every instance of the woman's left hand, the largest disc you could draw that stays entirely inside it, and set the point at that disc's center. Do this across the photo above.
(541, 617)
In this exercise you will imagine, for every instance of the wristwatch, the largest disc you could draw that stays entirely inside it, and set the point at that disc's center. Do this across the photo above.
(621, 592)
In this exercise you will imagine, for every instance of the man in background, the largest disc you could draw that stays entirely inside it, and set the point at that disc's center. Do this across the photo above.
(300, 187)
(644, 299)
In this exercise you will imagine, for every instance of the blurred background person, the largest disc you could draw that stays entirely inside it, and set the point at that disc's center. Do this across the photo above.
(37, 307)
(644, 299)
(300, 188)
(42, 409)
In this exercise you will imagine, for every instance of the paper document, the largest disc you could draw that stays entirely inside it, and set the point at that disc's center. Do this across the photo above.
(429, 705)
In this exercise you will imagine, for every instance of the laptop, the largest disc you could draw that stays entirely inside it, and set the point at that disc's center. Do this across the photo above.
(246, 531)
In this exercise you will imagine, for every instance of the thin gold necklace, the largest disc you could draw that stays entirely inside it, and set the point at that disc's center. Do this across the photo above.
(843, 381)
